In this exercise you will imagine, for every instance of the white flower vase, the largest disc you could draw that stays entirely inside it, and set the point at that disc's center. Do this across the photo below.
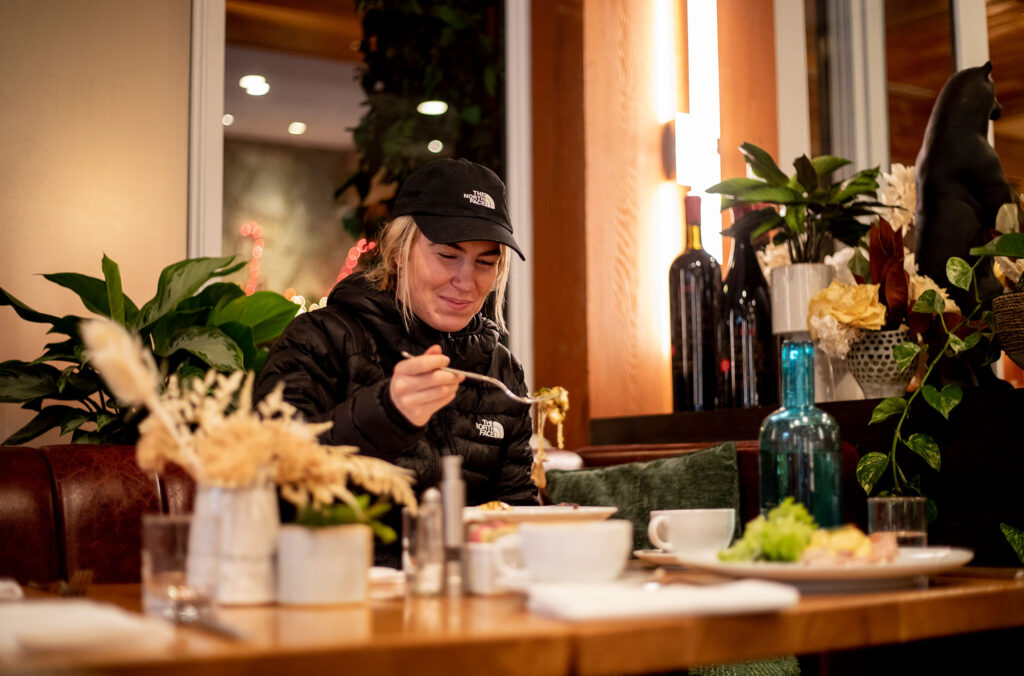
(872, 364)
(323, 566)
(792, 287)
(232, 543)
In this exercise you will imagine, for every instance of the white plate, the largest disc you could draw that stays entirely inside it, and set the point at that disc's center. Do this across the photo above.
(911, 564)
(522, 514)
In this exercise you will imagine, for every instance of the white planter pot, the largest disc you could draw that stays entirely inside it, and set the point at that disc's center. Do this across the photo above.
(321, 566)
(792, 288)
(232, 543)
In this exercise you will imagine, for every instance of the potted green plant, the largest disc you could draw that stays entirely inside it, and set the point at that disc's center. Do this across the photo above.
(186, 327)
(806, 211)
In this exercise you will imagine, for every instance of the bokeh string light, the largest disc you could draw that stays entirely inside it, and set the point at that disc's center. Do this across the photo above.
(361, 247)
(255, 231)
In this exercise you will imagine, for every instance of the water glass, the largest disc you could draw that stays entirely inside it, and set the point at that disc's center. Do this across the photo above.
(166, 589)
(906, 518)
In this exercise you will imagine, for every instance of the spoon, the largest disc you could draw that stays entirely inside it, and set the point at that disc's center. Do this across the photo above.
(497, 383)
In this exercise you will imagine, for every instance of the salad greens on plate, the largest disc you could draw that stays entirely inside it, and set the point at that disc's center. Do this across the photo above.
(782, 536)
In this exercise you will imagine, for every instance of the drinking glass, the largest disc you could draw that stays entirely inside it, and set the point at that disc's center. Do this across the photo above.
(904, 517)
(166, 589)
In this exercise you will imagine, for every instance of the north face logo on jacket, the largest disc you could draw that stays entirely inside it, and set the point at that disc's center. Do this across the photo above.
(491, 429)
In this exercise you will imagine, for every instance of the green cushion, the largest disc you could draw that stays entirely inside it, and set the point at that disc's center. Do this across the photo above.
(704, 479)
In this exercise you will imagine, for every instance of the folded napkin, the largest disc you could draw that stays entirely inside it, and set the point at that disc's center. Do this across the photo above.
(623, 599)
(71, 625)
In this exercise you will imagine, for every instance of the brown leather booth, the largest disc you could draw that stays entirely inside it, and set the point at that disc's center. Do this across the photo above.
(79, 507)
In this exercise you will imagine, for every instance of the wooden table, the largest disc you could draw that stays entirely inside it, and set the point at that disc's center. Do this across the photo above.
(497, 636)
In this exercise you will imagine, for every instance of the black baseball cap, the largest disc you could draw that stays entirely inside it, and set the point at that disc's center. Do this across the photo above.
(457, 201)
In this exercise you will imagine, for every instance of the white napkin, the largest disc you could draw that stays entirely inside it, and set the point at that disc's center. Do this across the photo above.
(624, 599)
(66, 625)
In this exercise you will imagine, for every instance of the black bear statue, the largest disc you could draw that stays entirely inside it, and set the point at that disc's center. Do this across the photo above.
(960, 182)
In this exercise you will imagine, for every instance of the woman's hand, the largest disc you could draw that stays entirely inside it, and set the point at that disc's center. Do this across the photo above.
(419, 388)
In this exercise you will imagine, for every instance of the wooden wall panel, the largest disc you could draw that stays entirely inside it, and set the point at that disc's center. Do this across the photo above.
(629, 371)
(746, 65)
(559, 261)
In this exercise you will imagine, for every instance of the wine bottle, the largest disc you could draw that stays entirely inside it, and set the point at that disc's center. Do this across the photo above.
(747, 353)
(695, 291)
(799, 444)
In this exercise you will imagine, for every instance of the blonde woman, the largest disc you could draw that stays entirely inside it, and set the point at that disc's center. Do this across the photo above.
(443, 256)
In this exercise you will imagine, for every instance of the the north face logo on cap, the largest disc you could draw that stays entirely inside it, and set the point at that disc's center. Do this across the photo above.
(491, 429)
(480, 198)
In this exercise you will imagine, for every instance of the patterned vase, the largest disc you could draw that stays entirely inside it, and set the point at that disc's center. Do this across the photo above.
(872, 364)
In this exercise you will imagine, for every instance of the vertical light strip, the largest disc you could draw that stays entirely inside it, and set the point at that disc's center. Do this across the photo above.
(668, 235)
(702, 51)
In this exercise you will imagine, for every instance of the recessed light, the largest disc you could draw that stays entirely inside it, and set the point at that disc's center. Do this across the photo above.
(297, 128)
(250, 80)
(227, 120)
(432, 107)
(257, 89)
(435, 146)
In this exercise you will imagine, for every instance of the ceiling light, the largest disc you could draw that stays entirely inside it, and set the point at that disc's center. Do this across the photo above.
(297, 128)
(435, 146)
(258, 89)
(250, 80)
(227, 120)
(432, 107)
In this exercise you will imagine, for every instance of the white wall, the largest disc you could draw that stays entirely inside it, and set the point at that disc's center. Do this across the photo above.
(93, 152)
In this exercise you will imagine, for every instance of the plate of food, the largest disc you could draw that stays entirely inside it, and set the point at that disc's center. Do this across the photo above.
(523, 514)
(788, 547)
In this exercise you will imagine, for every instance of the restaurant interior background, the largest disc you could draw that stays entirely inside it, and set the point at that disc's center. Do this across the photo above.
(103, 149)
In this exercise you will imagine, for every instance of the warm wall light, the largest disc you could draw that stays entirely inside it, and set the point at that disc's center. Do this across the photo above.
(254, 85)
(258, 89)
(432, 108)
(297, 128)
(435, 146)
(227, 120)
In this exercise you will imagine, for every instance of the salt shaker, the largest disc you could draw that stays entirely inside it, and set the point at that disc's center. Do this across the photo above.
(423, 546)
(453, 499)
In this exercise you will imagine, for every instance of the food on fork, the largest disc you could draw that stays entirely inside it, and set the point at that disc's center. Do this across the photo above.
(553, 409)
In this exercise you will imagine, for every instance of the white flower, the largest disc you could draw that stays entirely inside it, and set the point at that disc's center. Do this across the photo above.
(900, 191)
(773, 256)
(833, 337)
(840, 262)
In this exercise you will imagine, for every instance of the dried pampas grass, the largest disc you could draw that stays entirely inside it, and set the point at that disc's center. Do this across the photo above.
(210, 428)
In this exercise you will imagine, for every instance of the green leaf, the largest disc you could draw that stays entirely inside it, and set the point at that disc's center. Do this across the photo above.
(71, 424)
(925, 446)
(806, 176)
(887, 408)
(386, 533)
(66, 325)
(736, 186)
(905, 354)
(763, 165)
(826, 164)
(45, 420)
(210, 345)
(859, 264)
(932, 510)
(956, 344)
(266, 312)
(945, 401)
(1011, 244)
(929, 302)
(180, 280)
(21, 382)
(242, 335)
(870, 469)
(972, 339)
(1015, 536)
(103, 420)
(115, 294)
(959, 272)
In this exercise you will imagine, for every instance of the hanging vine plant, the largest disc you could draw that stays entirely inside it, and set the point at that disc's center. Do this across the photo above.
(414, 51)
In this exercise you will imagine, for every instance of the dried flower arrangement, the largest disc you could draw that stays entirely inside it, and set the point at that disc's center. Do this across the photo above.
(212, 430)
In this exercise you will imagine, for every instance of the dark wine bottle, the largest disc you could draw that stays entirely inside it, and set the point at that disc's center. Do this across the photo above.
(747, 353)
(695, 292)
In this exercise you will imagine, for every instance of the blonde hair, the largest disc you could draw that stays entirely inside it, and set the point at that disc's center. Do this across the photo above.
(396, 240)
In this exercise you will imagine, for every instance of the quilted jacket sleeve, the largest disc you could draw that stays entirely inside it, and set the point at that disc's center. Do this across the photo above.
(514, 485)
(314, 359)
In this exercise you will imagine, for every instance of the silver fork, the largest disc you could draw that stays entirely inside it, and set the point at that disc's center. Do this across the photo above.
(497, 383)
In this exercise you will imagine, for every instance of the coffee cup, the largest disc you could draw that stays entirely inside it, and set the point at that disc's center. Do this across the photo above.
(692, 531)
(594, 551)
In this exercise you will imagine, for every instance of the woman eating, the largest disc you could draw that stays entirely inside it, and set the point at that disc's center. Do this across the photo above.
(446, 252)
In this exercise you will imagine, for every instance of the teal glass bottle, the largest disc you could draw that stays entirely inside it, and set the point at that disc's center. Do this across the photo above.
(799, 444)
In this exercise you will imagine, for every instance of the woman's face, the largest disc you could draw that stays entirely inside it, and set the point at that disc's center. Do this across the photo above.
(448, 283)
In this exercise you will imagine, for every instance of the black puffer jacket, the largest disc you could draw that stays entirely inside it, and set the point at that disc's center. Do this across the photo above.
(336, 363)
